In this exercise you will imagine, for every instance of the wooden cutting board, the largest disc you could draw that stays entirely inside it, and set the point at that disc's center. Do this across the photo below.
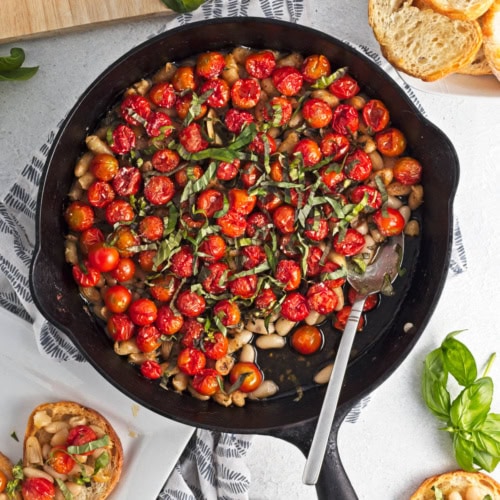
(29, 18)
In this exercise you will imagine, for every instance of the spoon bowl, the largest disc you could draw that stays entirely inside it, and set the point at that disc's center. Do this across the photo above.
(379, 275)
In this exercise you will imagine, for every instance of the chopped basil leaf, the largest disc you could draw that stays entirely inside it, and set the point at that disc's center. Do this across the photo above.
(14, 436)
(64, 489)
(90, 446)
(101, 462)
(326, 81)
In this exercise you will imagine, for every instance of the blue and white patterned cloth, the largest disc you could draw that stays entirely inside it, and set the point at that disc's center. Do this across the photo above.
(213, 465)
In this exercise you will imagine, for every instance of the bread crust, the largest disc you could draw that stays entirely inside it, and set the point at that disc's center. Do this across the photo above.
(490, 23)
(63, 410)
(465, 9)
(457, 480)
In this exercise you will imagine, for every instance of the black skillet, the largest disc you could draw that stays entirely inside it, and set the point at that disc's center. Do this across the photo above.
(392, 330)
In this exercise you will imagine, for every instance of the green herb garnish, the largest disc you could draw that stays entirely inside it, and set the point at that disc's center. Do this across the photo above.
(10, 66)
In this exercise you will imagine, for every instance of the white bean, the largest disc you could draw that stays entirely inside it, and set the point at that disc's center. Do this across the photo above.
(74, 488)
(59, 438)
(258, 325)
(340, 294)
(314, 318)
(180, 382)
(33, 451)
(239, 339)
(267, 389)
(475, 493)
(97, 145)
(337, 259)
(394, 202)
(33, 472)
(83, 164)
(405, 211)
(271, 341)
(455, 495)
(41, 419)
(49, 470)
(247, 354)
(323, 376)
(283, 326)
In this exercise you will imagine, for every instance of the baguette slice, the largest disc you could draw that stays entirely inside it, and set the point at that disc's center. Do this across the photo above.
(43, 426)
(490, 24)
(423, 43)
(479, 66)
(6, 467)
(457, 9)
(465, 483)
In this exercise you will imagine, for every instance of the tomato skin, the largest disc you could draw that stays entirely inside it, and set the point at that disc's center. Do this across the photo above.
(151, 228)
(278, 111)
(123, 140)
(165, 160)
(262, 142)
(120, 327)
(190, 304)
(232, 224)
(119, 211)
(240, 201)
(358, 165)
(143, 312)
(295, 307)
(220, 92)
(307, 339)
(335, 145)
(252, 256)
(316, 229)
(38, 488)
(331, 177)
(3, 481)
(183, 79)
(183, 107)
(127, 181)
(236, 119)
(407, 171)
(159, 190)
(79, 216)
(265, 299)
(390, 142)
(344, 87)
(181, 263)
(159, 124)
(244, 287)
(374, 198)
(260, 64)
(117, 298)
(345, 119)
(250, 174)
(134, 109)
(60, 460)
(164, 287)
(103, 257)
(104, 166)
(341, 319)
(251, 372)
(163, 94)
(216, 280)
(210, 201)
(257, 223)
(191, 361)
(315, 66)
(228, 312)
(192, 332)
(289, 273)
(245, 93)
(80, 435)
(228, 171)
(215, 346)
(148, 338)
(88, 238)
(100, 194)
(321, 298)
(376, 115)
(317, 113)
(313, 261)
(124, 271)
(310, 151)
(210, 64)
(206, 382)
(287, 80)
(284, 219)
(212, 248)
(351, 244)
(191, 138)
(391, 225)
(86, 276)
(151, 369)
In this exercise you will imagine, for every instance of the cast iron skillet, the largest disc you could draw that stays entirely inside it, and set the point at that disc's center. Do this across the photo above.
(387, 338)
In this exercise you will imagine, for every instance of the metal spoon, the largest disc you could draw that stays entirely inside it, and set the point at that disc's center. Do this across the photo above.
(379, 275)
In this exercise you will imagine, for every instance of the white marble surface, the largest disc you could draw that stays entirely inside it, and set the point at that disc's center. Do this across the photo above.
(395, 443)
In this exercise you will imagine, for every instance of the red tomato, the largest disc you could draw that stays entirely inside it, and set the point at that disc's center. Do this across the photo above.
(79, 216)
(390, 142)
(279, 111)
(85, 275)
(37, 488)
(181, 263)
(248, 375)
(191, 138)
(370, 303)
(321, 298)
(119, 211)
(89, 238)
(309, 150)
(191, 361)
(373, 196)
(124, 271)
(265, 299)
(60, 460)
(100, 194)
(345, 119)
(191, 332)
(117, 298)
(151, 228)
(289, 246)
(228, 171)
(212, 248)
(284, 219)
(344, 87)
(122, 140)
(232, 224)
(148, 338)
(244, 287)
(159, 190)
(358, 165)
(104, 166)
(127, 181)
(330, 268)
(151, 369)
(165, 160)
(315, 66)
(163, 94)
(228, 312)
(263, 144)
(164, 287)
(240, 201)
(220, 92)
(307, 339)
(190, 304)
(236, 119)
(350, 244)
(316, 229)
(295, 307)
(124, 238)
(146, 260)
(143, 312)
(215, 346)
(407, 171)
(245, 93)
(207, 382)
(252, 256)
(210, 201)
(159, 124)
(269, 202)
(313, 261)
(183, 106)
(120, 327)
(183, 79)
(331, 177)
(376, 115)
(250, 174)
(317, 113)
(335, 145)
(389, 223)
(167, 321)
(185, 174)
(260, 64)
(341, 319)
(258, 224)
(81, 435)
(210, 64)
(103, 257)
(287, 80)
(215, 277)
(135, 109)
(288, 272)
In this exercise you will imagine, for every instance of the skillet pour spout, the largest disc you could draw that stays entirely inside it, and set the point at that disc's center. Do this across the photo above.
(393, 329)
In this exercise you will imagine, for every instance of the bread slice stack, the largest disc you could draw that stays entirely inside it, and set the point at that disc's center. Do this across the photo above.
(458, 484)
(430, 39)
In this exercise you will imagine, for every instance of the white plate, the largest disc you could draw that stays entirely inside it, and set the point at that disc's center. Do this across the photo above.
(151, 443)
(458, 85)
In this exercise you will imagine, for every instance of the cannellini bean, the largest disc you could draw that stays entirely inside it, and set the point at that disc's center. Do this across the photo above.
(358, 102)
(230, 73)
(367, 143)
(314, 318)
(394, 202)
(283, 326)
(296, 120)
(412, 228)
(240, 54)
(100, 432)
(454, 495)
(337, 259)
(340, 294)
(70, 252)
(86, 180)
(386, 174)
(33, 472)
(74, 488)
(49, 470)
(97, 145)
(126, 347)
(41, 419)
(240, 338)
(59, 438)
(3, 496)
(197, 395)
(271, 341)
(267, 389)
(294, 59)
(76, 192)
(83, 164)
(33, 451)
(416, 196)
(224, 365)
(142, 86)
(46, 449)
(377, 161)
(223, 399)
(247, 354)
(323, 376)
(137, 358)
(180, 382)
(475, 493)
(268, 88)
(258, 325)
(165, 73)
(397, 189)
(238, 398)
(331, 99)
(361, 226)
(289, 143)
(405, 212)
(56, 426)
(92, 294)
(377, 235)
(166, 349)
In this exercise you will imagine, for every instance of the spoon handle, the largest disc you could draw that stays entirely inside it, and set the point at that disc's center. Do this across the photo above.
(320, 440)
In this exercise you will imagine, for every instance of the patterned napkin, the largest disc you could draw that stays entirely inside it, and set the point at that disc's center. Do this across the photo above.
(213, 464)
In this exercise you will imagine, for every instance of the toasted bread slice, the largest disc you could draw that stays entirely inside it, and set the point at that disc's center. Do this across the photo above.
(460, 481)
(457, 9)
(6, 467)
(490, 24)
(479, 66)
(421, 42)
(49, 425)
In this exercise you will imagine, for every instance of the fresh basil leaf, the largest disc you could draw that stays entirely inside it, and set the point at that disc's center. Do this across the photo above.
(64, 489)
(487, 436)
(485, 460)
(464, 452)
(183, 6)
(459, 361)
(14, 61)
(435, 377)
(18, 74)
(90, 446)
(471, 407)
(101, 462)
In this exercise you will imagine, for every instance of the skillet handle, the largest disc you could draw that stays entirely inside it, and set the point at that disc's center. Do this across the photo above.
(333, 481)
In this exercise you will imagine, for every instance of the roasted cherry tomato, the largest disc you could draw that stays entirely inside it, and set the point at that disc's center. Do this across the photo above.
(123, 140)
(309, 150)
(252, 256)
(210, 201)
(240, 201)
(278, 111)
(163, 94)
(266, 299)
(219, 92)
(60, 460)
(407, 171)
(192, 139)
(165, 160)
(190, 304)
(81, 435)
(159, 190)
(332, 177)
(38, 488)
(376, 115)
(117, 298)
(358, 165)
(228, 312)
(236, 119)
(349, 244)
(100, 194)
(191, 361)
(85, 275)
(135, 109)
(321, 298)
(151, 228)
(344, 87)
(143, 311)
(127, 181)
(263, 144)
(389, 222)
(183, 79)
(89, 238)
(345, 119)
(250, 174)
(316, 229)
(104, 166)
(158, 124)
(184, 107)
(314, 67)
(287, 80)
(119, 211)
(79, 216)
(181, 263)
(151, 369)
(148, 338)
(341, 317)
(232, 224)
(295, 307)
(307, 339)
(284, 219)
(260, 64)
(247, 375)
(3, 481)
(390, 142)
(163, 287)
(245, 93)
(207, 382)
(120, 327)
(215, 345)
(373, 196)
(215, 276)
(334, 145)
(244, 286)
(103, 257)
(317, 113)
(192, 332)
(288, 272)
(210, 64)
(212, 248)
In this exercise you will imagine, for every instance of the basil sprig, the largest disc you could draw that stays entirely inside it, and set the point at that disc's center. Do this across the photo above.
(475, 431)
(183, 5)
(10, 66)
